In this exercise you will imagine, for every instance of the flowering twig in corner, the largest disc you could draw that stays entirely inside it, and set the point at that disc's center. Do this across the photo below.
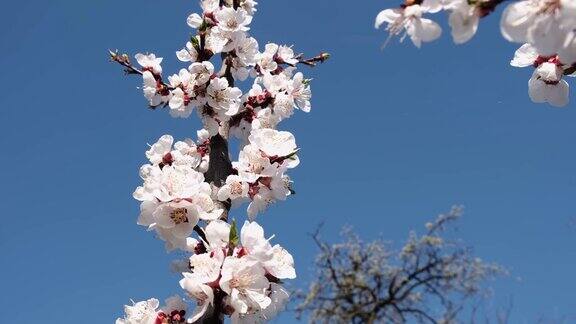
(544, 27)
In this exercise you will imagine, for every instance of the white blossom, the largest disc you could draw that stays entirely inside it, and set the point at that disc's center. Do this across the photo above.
(233, 189)
(209, 6)
(526, 55)
(276, 260)
(280, 183)
(409, 19)
(162, 153)
(464, 19)
(194, 20)
(222, 97)
(150, 62)
(249, 6)
(150, 89)
(246, 50)
(216, 40)
(196, 284)
(279, 298)
(201, 72)
(300, 91)
(182, 101)
(143, 312)
(186, 153)
(230, 20)
(260, 202)
(252, 165)
(536, 22)
(188, 53)
(170, 183)
(265, 60)
(265, 118)
(217, 235)
(273, 143)
(246, 284)
(286, 54)
(546, 83)
(159, 149)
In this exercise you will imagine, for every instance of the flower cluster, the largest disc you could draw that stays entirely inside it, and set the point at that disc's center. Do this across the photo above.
(276, 91)
(174, 196)
(148, 312)
(189, 187)
(245, 268)
(261, 170)
(545, 27)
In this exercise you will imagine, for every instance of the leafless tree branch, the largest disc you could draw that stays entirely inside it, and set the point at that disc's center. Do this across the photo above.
(430, 280)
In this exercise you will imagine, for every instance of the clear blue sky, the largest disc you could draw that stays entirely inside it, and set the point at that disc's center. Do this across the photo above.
(394, 137)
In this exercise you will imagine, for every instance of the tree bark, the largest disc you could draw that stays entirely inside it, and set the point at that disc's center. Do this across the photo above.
(220, 165)
(219, 169)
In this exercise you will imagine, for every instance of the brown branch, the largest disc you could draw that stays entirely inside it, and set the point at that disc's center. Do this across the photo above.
(220, 165)
(419, 312)
(313, 61)
(227, 59)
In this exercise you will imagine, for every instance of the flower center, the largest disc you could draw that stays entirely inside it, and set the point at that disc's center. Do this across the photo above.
(179, 215)
(240, 282)
(236, 188)
(232, 24)
(219, 96)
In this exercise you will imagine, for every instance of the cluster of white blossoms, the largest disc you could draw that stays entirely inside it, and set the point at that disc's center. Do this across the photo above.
(546, 28)
(261, 170)
(276, 91)
(174, 195)
(149, 312)
(189, 187)
(245, 269)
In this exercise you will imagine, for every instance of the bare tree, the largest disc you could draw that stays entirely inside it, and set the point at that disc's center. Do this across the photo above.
(430, 280)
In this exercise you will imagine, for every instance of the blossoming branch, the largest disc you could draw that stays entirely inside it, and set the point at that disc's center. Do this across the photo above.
(190, 186)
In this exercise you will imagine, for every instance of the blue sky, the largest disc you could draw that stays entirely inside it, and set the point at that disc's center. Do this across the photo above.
(394, 137)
